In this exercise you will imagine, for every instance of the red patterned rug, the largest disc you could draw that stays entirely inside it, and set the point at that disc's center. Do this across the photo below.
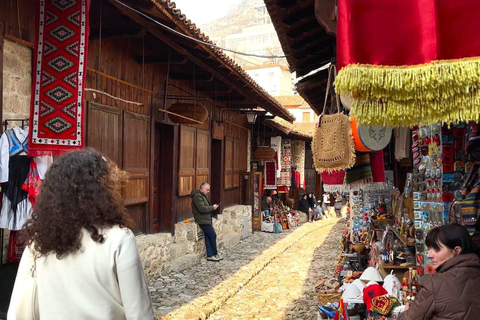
(270, 172)
(57, 112)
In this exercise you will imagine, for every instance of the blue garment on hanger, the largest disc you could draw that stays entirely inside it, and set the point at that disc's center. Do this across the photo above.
(16, 146)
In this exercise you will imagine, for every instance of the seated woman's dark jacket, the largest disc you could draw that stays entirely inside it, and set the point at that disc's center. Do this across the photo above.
(265, 205)
(450, 294)
(303, 205)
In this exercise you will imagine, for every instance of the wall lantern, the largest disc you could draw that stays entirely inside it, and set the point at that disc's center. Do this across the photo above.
(251, 116)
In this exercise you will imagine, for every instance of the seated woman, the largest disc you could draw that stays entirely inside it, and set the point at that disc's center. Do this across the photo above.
(303, 205)
(266, 206)
(452, 292)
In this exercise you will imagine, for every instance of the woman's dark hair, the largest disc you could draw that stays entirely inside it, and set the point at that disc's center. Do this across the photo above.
(81, 190)
(451, 236)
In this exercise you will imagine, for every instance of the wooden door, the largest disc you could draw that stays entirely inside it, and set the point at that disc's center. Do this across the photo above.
(257, 200)
(310, 180)
(136, 155)
(163, 179)
(216, 187)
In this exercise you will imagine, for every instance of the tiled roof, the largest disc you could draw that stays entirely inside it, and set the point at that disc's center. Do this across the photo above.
(264, 66)
(290, 100)
(191, 29)
(298, 129)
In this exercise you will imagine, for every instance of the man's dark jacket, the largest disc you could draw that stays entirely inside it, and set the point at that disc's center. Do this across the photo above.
(201, 207)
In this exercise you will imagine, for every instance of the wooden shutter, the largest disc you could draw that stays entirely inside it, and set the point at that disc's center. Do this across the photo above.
(104, 131)
(202, 170)
(186, 174)
(236, 162)
(228, 163)
(136, 157)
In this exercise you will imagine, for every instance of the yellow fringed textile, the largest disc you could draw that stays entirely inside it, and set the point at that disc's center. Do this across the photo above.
(444, 91)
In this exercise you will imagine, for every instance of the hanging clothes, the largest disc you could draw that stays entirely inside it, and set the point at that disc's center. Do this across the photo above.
(16, 169)
(33, 182)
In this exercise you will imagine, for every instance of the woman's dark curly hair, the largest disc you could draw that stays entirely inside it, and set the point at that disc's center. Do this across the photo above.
(81, 190)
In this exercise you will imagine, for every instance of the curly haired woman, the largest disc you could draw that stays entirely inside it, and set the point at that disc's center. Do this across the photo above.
(87, 263)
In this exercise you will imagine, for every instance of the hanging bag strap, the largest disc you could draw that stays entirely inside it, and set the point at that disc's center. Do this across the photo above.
(332, 74)
(327, 90)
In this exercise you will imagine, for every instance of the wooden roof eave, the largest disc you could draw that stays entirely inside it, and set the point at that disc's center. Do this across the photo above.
(259, 96)
(287, 131)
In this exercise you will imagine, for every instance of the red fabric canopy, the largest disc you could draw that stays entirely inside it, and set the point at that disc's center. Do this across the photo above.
(406, 32)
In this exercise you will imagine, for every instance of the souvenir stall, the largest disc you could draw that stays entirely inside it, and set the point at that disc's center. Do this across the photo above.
(430, 95)
(20, 176)
(283, 165)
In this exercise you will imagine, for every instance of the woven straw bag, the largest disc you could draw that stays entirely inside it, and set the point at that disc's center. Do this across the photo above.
(193, 111)
(328, 296)
(332, 144)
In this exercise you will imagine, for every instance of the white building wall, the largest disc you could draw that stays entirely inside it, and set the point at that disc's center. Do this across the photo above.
(298, 114)
(275, 80)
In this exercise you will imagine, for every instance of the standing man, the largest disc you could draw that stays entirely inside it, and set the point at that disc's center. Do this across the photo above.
(326, 203)
(202, 212)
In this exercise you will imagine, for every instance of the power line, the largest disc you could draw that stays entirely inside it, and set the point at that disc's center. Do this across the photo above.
(197, 40)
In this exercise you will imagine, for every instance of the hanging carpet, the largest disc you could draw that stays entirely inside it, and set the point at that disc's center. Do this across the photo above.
(285, 173)
(298, 157)
(270, 173)
(60, 58)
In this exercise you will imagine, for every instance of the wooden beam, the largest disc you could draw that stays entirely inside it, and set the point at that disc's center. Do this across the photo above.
(235, 99)
(18, 40)
(209, 91)
(118, 80)
(189, 76)
(106, 34)
(174, 59)
(154, 30)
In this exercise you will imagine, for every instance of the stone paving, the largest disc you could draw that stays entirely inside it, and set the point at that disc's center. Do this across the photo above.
(266, 276)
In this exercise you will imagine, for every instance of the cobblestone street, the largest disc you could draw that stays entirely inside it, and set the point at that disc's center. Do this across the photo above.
(266, 276)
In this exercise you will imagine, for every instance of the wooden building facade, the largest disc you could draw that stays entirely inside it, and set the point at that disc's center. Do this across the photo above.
(136, 70)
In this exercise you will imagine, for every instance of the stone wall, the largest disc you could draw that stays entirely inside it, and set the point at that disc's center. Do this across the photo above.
(161, 253)
(17, 80)
(154, 250)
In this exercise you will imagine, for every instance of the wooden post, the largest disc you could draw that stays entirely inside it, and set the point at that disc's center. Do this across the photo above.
(2, 31)
(2, 34)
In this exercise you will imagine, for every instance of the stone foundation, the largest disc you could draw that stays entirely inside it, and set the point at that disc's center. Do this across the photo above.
(161, 253)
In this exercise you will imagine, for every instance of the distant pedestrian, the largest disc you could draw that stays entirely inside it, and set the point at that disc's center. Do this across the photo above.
(202, 212)
(338, 204)
(86, 262)
(312, 203)
(326, 203)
